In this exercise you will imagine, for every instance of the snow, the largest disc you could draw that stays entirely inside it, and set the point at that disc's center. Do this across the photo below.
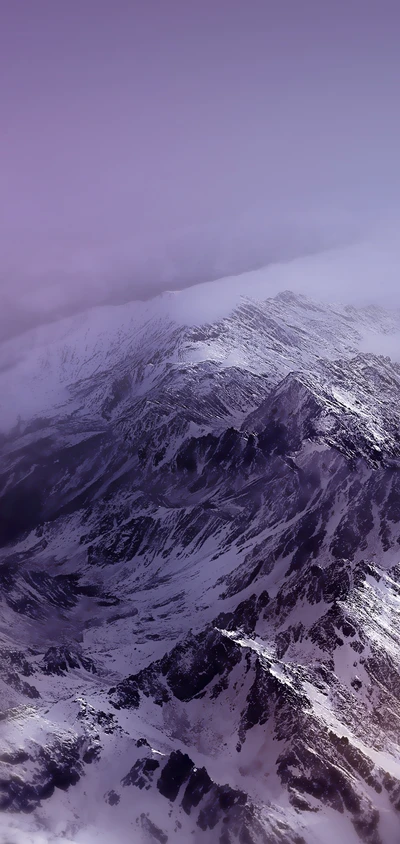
(181, 583)
(38, 368)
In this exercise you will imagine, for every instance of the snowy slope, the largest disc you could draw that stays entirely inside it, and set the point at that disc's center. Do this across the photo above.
(200, 581)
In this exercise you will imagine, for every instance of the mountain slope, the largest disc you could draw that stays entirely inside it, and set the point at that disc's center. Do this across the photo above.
(200, 583)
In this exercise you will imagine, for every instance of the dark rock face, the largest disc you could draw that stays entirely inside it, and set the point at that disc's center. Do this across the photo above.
(217, 808)
(59, 660)
(14, 668)
(198, 786)
(97, 719)
(141, 774)
(209, 655)
(13, 680)
(222, 800)
(174, 774)
(112, 798)
(57, 766)
(26, 591)
(246, 614)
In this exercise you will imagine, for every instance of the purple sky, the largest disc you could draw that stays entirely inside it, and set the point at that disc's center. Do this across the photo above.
(124, 122)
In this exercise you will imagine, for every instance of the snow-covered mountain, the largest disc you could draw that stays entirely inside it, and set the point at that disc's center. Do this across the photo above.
(200, 577)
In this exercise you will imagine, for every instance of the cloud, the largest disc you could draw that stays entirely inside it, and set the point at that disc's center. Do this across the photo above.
(44, 284)
(149, 146)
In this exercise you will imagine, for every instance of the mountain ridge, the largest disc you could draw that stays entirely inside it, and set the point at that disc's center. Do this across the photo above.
(200, 585)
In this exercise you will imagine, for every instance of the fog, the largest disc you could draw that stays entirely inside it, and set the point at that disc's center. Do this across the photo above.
(150, 146)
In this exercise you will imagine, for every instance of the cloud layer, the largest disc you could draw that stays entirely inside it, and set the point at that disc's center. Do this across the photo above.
(150, 145)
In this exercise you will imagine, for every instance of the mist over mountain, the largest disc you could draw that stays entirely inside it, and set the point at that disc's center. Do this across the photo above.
(150, 147)
(78, 277)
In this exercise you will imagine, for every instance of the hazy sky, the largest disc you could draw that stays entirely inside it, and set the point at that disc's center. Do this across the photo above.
(128, 123)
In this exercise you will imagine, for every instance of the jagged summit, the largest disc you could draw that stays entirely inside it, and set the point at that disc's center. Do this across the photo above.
(200, 578)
